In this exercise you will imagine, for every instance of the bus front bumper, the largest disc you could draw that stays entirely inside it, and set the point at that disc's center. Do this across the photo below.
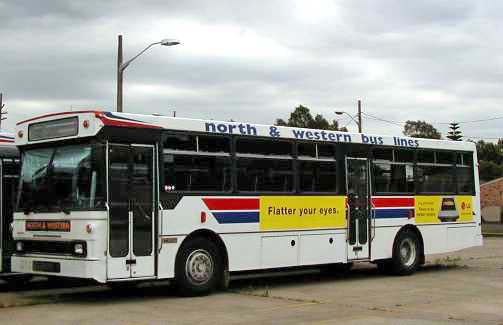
(60, 266)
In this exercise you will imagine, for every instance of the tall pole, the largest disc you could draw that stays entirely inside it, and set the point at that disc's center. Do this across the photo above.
(2, 113)
(359, 116)
(119, 74)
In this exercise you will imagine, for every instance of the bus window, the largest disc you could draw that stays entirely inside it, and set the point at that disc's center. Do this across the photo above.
(264, 147)
(382, 154)
(444, 157)
(265, 175)
(179, 141)
(392, 171)
(435, 179)
(197, 173)
(464, 173)
(306, 149)
(404, 155)
(317, 176)
(425, 156)
(217, 144)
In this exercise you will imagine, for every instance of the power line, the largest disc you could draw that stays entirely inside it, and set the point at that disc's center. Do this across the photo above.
(459, 122)
(399, 124)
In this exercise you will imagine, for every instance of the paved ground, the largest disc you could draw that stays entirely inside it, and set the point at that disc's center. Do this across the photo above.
(464, 287)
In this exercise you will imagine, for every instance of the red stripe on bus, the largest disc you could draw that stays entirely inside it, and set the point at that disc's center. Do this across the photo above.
(54, 114)
(232, 203)
(393, 202)
(124, 123)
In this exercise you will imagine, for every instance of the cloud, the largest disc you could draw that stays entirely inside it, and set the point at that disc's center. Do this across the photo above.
(257, 60)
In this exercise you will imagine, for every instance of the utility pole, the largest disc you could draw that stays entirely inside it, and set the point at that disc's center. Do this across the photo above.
(359, 116)
(120, 74)
(2, 113)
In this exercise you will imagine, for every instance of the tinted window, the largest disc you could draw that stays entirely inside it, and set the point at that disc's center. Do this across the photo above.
(425, 156)
(465, 180)
(263, 147)
(435, 179)
(306, 149)
(393, 178)
(326, 150)
(214, 144)
(383, 154)
(180, 142)
(317, 176)
(465, 176)
(197, 173)
(403, 155)
(268, 175)
(445, 157)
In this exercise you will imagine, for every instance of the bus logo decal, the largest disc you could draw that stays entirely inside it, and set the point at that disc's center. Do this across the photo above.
(393, 207)
(234, 210)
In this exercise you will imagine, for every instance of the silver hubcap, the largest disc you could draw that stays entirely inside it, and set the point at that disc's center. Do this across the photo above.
(408, 252)
(199, 267)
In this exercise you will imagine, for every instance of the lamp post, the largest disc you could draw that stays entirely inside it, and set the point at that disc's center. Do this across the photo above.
(359, 115)
(121, 66)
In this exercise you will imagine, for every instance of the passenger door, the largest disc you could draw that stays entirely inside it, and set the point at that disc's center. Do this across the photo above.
(131, 196)
(358, 188)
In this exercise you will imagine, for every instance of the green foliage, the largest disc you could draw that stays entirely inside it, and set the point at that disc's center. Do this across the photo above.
(490, 157)
(454, 134)
(301, 117)
(420, 129)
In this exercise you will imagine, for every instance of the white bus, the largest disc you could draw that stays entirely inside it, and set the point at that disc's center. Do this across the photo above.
(126, 197)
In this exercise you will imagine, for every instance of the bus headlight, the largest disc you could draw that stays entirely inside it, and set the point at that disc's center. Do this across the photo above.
(19, 247)
(78, 249)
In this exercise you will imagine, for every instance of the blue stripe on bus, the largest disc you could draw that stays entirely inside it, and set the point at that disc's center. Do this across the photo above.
(392, 213)
(236, 216)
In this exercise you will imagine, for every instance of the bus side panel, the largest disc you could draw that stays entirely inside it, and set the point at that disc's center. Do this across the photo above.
(434, 238)
(382, 245)
(244, 251)
(168, 248)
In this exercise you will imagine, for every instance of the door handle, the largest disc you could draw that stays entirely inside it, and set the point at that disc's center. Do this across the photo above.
(130, 262)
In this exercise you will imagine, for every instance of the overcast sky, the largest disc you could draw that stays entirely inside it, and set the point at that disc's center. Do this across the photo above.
(255, 61)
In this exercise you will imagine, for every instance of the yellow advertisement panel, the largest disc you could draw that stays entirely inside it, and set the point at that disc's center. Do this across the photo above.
(302, 212)
(438, 209)
(427, 209)
(465, 208)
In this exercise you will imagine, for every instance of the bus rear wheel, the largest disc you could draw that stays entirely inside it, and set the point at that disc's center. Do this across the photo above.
(198, 269)
(407, 253)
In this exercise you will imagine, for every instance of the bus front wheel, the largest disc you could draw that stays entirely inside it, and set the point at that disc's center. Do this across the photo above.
(198, 268)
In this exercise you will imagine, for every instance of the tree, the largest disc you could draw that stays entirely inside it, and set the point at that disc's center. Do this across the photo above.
(420, 129)
(490, 157)
(454, 133)
(301, 117)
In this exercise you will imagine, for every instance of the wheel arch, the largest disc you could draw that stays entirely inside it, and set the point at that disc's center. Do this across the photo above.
(414, 229)
(213, 237)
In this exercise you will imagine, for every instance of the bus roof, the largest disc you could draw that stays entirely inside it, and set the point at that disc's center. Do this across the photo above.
(91, 123)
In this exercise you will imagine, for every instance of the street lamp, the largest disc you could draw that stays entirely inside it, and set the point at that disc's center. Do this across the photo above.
(121, 66)
(359, 122)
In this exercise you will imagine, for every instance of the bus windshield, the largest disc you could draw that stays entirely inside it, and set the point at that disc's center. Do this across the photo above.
(63, 178)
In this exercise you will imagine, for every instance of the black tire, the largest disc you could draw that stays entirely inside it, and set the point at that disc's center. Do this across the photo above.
(384, 266)
(198, 268)
(18, 281)
(407, 252)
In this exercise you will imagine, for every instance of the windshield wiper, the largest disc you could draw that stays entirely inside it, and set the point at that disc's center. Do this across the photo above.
(27, 207)
(63, 206)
